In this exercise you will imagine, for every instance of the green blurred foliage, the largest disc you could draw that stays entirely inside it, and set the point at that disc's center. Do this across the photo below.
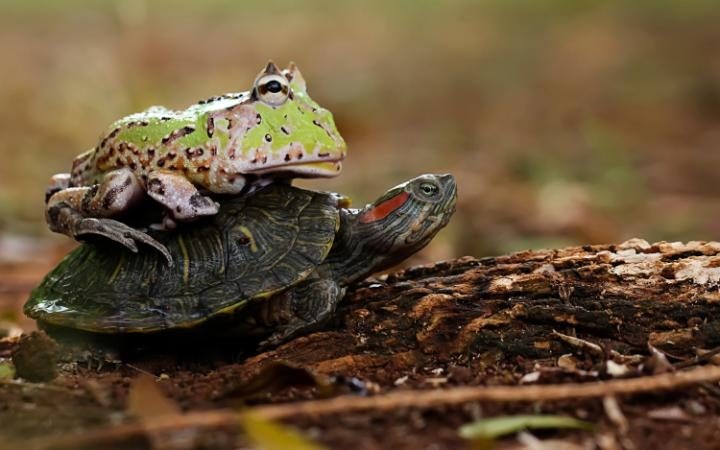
(570, 121)
(7, 370)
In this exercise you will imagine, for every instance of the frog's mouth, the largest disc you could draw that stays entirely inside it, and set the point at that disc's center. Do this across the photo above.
(323, 168)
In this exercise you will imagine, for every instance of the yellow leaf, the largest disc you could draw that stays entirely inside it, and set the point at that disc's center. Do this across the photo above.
(268, 435)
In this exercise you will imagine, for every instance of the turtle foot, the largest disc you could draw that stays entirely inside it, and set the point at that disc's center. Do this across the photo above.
(310, 304)
(276, 339)
(120, 233)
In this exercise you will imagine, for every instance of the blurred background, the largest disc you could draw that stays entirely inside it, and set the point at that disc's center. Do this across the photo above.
(565, 122)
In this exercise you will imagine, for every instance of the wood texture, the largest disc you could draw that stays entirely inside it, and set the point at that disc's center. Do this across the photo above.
(469, 311)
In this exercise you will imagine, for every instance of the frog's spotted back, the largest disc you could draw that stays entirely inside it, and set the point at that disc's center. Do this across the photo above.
(274, 127)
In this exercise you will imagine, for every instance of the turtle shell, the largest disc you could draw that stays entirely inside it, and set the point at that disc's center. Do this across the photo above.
(255, 247)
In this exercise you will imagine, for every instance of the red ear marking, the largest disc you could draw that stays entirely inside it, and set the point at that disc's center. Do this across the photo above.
(382, 210)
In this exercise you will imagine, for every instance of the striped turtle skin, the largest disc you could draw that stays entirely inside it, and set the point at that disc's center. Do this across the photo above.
(291, 251)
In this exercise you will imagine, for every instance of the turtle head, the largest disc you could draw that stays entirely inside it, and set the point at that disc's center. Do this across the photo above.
(404, 219)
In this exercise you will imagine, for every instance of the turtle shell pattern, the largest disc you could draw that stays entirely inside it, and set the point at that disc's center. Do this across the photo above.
(256, 246)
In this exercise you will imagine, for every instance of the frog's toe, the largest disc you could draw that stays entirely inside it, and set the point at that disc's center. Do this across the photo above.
(147, 240)
(120, 233)
(201, 205)
(108, 228)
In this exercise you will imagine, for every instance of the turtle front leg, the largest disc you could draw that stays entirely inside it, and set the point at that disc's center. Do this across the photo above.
(82, 211)
(300, 310)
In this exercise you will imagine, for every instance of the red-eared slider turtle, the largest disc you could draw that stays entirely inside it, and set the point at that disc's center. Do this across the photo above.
(289, 252)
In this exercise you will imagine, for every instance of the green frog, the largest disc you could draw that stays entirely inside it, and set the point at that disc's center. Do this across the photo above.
(228, 144)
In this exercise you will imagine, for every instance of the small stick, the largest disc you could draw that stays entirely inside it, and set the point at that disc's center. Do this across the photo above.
(393, 400)
(705, 357)
(534, 393)
(580, 343)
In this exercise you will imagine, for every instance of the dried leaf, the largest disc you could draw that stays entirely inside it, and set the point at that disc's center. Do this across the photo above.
(280, 375)
(488, 429)
(658, 362)
(567, 361)
(269, 435)
(146, 400)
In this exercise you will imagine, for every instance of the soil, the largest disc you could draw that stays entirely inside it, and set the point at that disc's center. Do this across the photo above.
(558, 317)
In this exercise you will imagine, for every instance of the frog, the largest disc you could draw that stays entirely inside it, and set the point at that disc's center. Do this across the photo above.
(229, 144)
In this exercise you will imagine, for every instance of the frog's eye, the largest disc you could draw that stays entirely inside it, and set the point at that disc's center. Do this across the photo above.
(429, 189)
(272, 89)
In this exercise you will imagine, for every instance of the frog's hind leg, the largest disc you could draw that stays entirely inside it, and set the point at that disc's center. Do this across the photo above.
(179, 196)
(301, 309)
(83, 211)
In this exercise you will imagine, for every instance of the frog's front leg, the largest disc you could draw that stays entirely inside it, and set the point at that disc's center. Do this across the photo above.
(82, 211)
(179, 196)
(58, 182)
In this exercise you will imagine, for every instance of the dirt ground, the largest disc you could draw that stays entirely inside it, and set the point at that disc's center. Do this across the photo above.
(568, 318)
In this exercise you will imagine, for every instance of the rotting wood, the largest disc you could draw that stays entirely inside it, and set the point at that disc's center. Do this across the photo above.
(619, 297)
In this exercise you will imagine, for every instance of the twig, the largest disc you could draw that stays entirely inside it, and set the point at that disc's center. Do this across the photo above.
(393, 400)
(104, 436)
(139, 370)
(615, 414)
(699, 359)
(580, 343)
(427, 399)
(617, 418)
(41, 387)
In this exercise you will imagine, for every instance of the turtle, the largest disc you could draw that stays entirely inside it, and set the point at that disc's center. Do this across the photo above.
(273, 264)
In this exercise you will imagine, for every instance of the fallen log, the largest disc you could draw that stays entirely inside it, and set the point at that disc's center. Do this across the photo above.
(515, 308)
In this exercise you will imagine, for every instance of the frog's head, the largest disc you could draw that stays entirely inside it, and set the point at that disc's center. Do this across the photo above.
(290, 133)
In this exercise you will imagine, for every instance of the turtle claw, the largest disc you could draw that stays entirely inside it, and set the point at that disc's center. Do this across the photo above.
(120, 233)
(272, 342)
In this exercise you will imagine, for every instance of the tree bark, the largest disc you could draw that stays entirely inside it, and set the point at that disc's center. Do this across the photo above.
(507, 309)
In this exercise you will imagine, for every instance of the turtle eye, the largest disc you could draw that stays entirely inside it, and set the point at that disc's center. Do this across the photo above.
(272, 89)
(429, 189)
